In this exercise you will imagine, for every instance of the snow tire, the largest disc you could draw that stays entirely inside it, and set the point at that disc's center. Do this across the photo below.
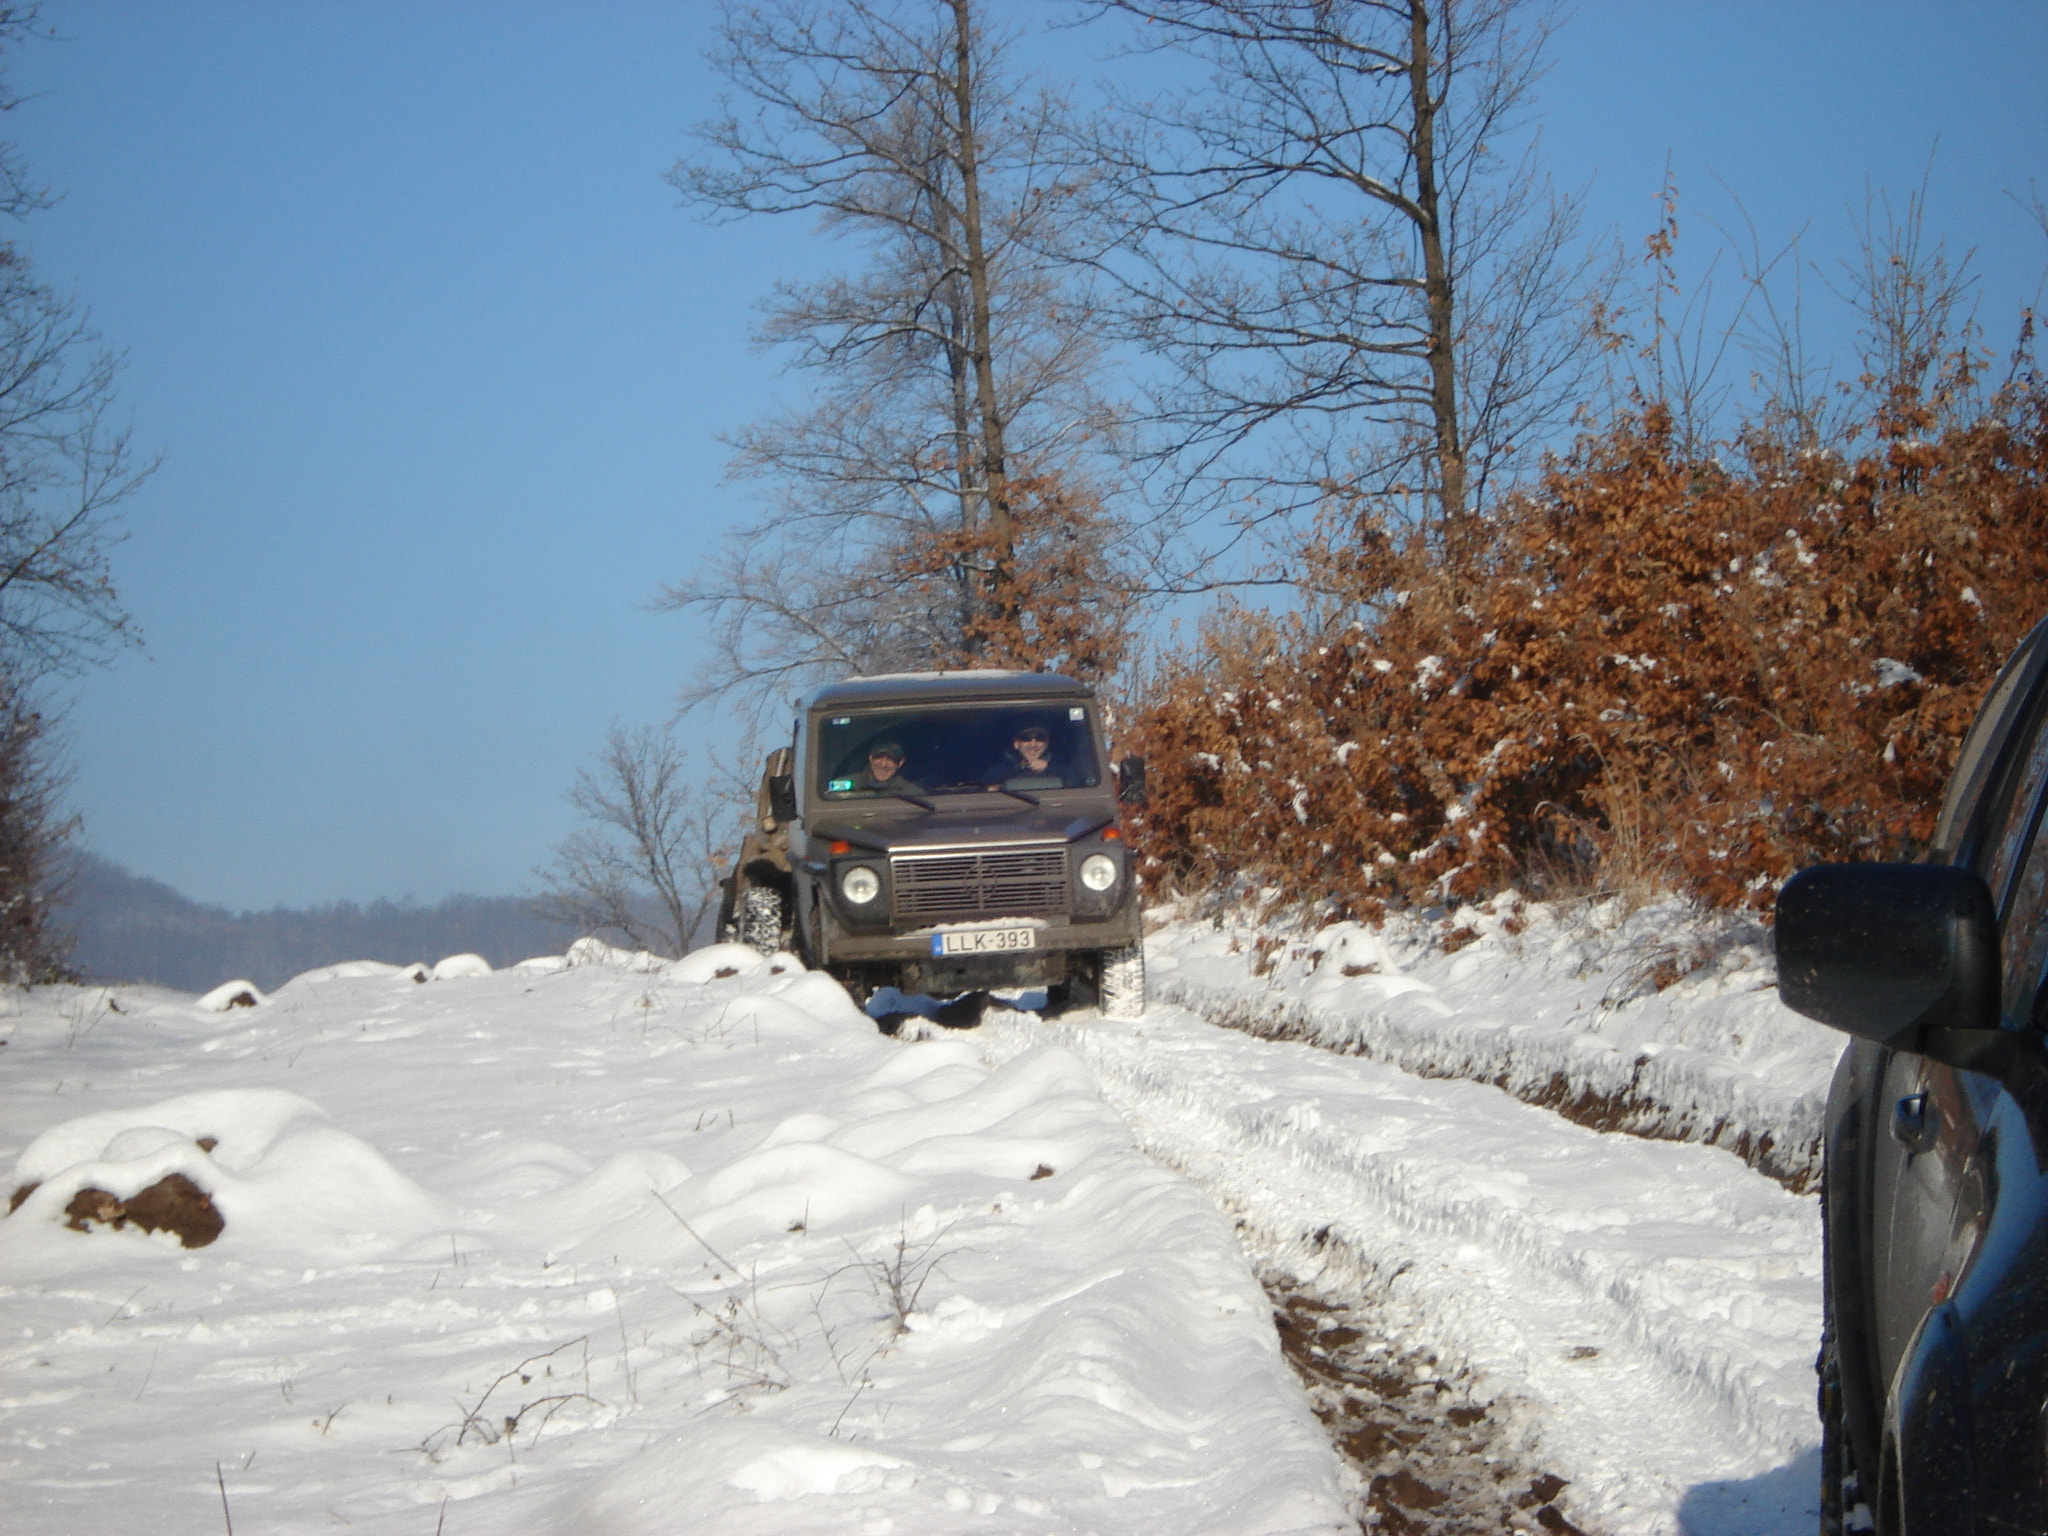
(1842, 1507)
(1121, 982)
(761, 918)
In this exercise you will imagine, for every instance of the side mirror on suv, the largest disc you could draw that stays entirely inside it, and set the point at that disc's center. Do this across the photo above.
(1130, 781)
(1903, 954)
(782, 796)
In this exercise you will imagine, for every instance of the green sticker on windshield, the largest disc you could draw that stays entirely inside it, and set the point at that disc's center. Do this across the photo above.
(838, 786)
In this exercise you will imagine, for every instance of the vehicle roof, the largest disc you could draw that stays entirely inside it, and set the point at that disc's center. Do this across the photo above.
(933, 687)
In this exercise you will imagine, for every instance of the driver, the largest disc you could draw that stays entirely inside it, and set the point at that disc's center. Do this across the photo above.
(884, 772)
(1028, 761)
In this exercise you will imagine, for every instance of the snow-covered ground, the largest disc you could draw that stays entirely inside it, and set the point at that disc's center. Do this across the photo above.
(1654, 1019)
(628, 1247)
(1654, 1303)
(603, 1249)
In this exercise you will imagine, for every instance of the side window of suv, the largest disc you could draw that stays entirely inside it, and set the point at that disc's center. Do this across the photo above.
(2024, 925)
(2011, 832)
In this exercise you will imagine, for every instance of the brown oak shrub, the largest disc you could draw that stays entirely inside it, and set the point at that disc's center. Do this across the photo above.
(1663, 672)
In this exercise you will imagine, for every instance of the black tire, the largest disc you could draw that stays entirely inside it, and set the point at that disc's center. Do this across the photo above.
(1841, 1493)
(1120, 982)
(1834, 1440)
(762, 922)
(728, 929)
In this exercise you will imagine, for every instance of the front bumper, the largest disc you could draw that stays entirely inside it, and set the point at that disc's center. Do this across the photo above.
(1052, 936)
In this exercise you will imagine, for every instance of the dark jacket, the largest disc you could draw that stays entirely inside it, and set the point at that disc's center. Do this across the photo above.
(865, 780)
(1013, 771)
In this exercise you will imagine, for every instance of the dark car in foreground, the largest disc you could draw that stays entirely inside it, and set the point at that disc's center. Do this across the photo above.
(1934, 1356)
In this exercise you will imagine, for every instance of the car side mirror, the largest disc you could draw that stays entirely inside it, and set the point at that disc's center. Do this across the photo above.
(1903, 954)
(782, 796)
(1130, 781)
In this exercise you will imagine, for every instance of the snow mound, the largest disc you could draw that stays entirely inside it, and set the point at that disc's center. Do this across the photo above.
(455, 966)
(276, 1170)
(231, 994)
(718, 962)
(687, 1253)
(354, 970)
(593, 951)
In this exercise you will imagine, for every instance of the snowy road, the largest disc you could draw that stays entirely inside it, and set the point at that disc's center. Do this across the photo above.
(639, 1249)
(1653, 1306)
(649, 1248)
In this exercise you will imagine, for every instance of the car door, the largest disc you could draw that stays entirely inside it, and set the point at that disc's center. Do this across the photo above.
(1933, 1182)
(2004, 1300)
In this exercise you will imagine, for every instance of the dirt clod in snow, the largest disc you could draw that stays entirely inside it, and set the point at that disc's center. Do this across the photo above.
(172, 1204)
(1431, 1460)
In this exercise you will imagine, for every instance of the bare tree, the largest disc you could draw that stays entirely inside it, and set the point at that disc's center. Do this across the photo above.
(1327, 245)
(35, 835)
(956, 357)
(64, 466)
(64, 470)
(645, 868)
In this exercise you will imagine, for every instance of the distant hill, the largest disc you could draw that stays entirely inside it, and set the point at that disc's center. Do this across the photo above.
(131, 928)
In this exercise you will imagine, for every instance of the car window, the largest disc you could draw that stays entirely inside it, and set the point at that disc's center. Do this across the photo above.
(2024, 929)
(956, 749)
(2016, 813)
(1980, 754)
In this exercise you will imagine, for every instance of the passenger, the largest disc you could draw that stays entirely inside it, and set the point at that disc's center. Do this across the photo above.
(1028, 764)
(884, 772)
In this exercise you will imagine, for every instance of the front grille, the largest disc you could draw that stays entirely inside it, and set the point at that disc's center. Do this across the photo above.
(996, 882)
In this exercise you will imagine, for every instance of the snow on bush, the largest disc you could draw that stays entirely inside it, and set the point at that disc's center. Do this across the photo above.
(1661, 669)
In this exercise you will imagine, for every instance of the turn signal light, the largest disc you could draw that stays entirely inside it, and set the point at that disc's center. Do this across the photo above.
(842, 847)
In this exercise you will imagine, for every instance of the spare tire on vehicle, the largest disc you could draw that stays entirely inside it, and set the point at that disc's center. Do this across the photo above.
(762, 921)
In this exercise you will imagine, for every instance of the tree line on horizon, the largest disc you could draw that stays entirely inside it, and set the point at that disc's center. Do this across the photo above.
(123, 927)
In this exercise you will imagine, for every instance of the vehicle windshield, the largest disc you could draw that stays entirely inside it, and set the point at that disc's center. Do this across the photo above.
(955, 750)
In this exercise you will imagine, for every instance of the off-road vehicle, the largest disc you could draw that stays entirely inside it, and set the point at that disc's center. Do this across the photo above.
(946, 832)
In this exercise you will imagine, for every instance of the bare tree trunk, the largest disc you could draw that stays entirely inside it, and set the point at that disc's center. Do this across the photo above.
(1437, 286)
(1359, 300)
(955, 368)
(981, 347)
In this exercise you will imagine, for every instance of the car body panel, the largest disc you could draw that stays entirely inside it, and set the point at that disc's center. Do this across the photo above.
(1936, 1183)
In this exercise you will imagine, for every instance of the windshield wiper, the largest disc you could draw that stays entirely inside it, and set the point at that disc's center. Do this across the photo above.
(1014, 794)
(904, 794)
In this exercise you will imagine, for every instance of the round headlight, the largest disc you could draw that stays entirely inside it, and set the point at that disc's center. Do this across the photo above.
(1098, 871)
(860, 885)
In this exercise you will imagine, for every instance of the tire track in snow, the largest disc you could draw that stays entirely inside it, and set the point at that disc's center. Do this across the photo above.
(1657, 1302)
(1568, 1013)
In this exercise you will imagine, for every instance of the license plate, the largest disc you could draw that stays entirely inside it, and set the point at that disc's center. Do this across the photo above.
(984, 941)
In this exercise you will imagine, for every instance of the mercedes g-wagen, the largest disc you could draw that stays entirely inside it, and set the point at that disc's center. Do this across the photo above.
(947, 832)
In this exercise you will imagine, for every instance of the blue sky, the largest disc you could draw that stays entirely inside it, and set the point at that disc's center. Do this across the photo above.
(438, 367)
